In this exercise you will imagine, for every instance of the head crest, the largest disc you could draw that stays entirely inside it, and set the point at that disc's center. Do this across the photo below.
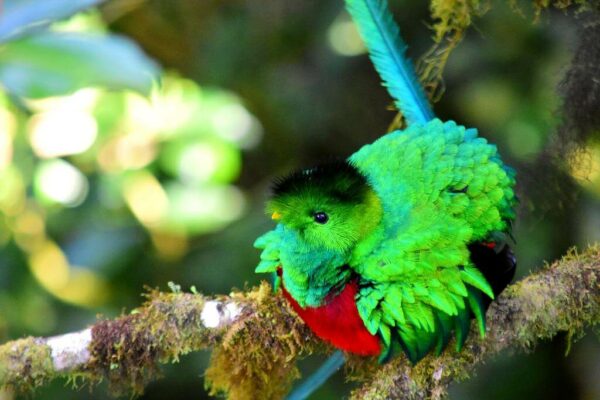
(339, 180)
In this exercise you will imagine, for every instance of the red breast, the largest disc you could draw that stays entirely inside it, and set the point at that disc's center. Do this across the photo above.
(338, 322)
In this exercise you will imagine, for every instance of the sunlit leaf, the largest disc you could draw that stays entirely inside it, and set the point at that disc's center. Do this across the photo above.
(197, 210)
(60, 63)
(201, 160)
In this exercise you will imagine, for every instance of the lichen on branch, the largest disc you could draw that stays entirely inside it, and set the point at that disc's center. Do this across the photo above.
(25, 364)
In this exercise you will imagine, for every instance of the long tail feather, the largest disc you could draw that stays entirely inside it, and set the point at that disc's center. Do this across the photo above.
(306, 388)
(387, 51)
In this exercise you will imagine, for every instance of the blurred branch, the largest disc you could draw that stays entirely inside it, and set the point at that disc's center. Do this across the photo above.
(257, 325)
(115, 9)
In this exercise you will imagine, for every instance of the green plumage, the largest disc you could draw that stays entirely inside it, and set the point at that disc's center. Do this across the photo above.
(431, 190)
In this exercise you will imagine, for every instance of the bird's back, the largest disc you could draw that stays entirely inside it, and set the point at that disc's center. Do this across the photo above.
(442, 189)
(444, 166)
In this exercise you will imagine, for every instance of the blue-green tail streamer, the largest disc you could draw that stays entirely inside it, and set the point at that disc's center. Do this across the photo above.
(329, 367)
(387, 51)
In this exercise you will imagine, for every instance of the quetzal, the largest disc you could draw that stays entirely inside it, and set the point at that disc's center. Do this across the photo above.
(402, 243)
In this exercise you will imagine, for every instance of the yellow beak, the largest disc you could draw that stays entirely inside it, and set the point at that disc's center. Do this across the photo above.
(276, 216)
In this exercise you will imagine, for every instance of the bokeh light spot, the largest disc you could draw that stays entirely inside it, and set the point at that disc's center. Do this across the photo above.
(84, 288)
(234, 123)
(8, 125)
(82, 100)
(199, 210)
(126, 152)
(12, 190)
(50, 266)
(146, 198)
(62, 132)
(198, 163)
(76, 285)
(60, 182)
(344, 37)
(585, 167)
(30, 223)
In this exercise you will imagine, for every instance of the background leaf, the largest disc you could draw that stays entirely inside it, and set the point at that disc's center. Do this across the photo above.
(20, 17)
(59, 62)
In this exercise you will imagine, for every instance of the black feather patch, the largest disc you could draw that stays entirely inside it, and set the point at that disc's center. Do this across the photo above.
(338, 180)
(497, 266)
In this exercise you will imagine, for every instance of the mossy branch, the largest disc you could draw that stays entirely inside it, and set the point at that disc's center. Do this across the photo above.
(127, 350)
(257, 339)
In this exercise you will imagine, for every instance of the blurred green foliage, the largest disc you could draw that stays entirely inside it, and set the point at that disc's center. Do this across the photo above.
(96, 144)
(116, 173)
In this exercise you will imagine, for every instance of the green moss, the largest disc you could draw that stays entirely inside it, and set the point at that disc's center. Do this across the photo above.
(25, 364)
(126, 351)
(541, 5)
(452, 16)
(360, 368)
(256, 359)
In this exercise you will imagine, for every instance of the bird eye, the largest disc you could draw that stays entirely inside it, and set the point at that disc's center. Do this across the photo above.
(320, 217)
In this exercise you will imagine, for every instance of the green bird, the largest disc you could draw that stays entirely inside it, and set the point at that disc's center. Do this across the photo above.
(402, 243)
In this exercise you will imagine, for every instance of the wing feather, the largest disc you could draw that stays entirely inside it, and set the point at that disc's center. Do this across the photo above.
(442, 188)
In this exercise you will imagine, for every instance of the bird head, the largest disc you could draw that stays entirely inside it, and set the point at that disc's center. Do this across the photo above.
(331, 206)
